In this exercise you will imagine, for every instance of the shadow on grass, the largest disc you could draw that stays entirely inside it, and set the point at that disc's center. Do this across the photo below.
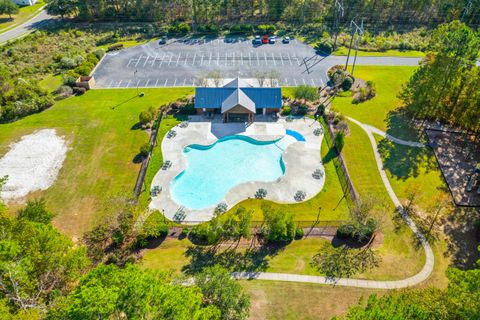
(331, 154)
(233, 259)
(123, 102)
(403, 161)
(400, 125)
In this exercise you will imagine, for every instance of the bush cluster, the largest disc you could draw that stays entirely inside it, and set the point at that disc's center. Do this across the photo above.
(365, 93)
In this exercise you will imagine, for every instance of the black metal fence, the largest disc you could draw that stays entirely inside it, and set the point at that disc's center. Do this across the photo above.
(340, 166)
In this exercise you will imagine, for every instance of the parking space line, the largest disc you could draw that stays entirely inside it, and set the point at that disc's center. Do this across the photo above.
(218, 59)
(286, 81)
(186, 58)
(178, 59)
(171, 56)
(274, 62)
(184, 81)
(110, 85)
(281, 58)
(146, 60)
(258, 59)
(201, 62)
(210, 60)
(146, 84)
(138, 83)
(175, 82)
(194, 57)
(321, 83)
(138, 61)
(304, 81)
(156, 83)
(128, 84)
(295, 80)
(165, 84)
(313, 82)
(290, 58)
(265, 55)
(119, 83)
(249, 58)
(154, 59)
(129, 61)
(193, 82)
(161, 62)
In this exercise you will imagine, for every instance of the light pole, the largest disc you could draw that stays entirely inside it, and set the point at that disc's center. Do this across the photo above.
(135, 79)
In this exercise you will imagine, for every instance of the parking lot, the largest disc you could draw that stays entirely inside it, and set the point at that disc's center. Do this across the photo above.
(185, 62)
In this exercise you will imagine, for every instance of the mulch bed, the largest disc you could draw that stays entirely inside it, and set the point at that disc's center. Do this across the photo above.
(457, 155)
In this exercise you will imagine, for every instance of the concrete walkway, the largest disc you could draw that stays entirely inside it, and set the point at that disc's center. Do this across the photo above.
(375, 130)
(359, 283)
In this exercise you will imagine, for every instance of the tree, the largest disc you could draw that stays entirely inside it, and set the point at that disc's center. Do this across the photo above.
(446, 85)
(36, 211)
(108, 292)
(279, 225)
(458, 301)
(304, 92)
(37, 264)
(8, 7)
(344, 262)
(62, 7)
(219, 289)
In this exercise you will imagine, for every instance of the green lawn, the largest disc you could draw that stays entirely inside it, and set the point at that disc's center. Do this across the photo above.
(388, 81)
(343, 51)
(51, 82)
(103, 141)
(25, 13)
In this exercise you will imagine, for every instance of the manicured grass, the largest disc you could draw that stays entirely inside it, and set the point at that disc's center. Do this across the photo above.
(103, 142)
(25, 13)
(128, 43)
(388, 81)
(51, 82)
(289, 300)
(169, 255)
(343, 51)
(398, 247)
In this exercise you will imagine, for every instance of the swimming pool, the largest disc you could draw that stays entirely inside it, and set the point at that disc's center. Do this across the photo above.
(213, 170)
(297, 135)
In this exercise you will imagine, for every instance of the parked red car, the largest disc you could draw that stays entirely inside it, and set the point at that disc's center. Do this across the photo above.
(265, 39)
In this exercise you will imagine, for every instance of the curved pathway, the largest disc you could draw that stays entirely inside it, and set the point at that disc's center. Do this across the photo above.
(27, 27)
(396, 284)
(375, 130)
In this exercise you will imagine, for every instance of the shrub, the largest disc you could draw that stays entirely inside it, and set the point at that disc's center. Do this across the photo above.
(266, 28)
(67, 63)
(145, 117)
(221, 208)
(154, 226)
(84, 69)
(299, 233)
(347, 83)
(286, 110)
(365, 93)
(301, 110)
(306, 93)
(144, 149)
(64, 91)
(79, 90)
(246, 27)
(99, 53)
(185, 231)
(345, 231)
(235, 28)
(70, 78)
(188, 109)
(325, 47)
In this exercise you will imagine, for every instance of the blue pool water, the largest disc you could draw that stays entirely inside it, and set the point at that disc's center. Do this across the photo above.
(297, 135)
(213, 170)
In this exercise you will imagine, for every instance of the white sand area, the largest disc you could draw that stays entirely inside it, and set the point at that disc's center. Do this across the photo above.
(32, 163)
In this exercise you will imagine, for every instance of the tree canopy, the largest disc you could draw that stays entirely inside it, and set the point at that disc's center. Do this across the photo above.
(447, 84)
(108, 291)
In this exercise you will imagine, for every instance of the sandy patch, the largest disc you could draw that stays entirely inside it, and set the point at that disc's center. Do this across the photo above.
(32, 163)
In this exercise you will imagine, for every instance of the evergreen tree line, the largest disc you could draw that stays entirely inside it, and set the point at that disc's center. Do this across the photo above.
(410, 13)
(446, 87)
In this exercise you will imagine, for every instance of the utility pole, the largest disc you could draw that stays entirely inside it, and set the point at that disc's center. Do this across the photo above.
(466, 10)
(356, 30)
(338, 13)
(135, 79)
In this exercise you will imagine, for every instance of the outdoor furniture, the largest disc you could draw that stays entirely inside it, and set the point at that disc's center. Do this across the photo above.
(155, 191)
(184, 124)
(317, 174)
(167, 164)
(180, 215)
(171, 134)
(300, 195)
(318, 131)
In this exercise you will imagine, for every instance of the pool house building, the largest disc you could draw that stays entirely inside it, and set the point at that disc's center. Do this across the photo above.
(238, 101)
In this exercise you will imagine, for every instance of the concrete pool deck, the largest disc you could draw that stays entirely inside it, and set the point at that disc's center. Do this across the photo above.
(301, 159)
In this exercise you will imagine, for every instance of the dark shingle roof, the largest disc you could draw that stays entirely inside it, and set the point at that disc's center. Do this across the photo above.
(214, 97)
